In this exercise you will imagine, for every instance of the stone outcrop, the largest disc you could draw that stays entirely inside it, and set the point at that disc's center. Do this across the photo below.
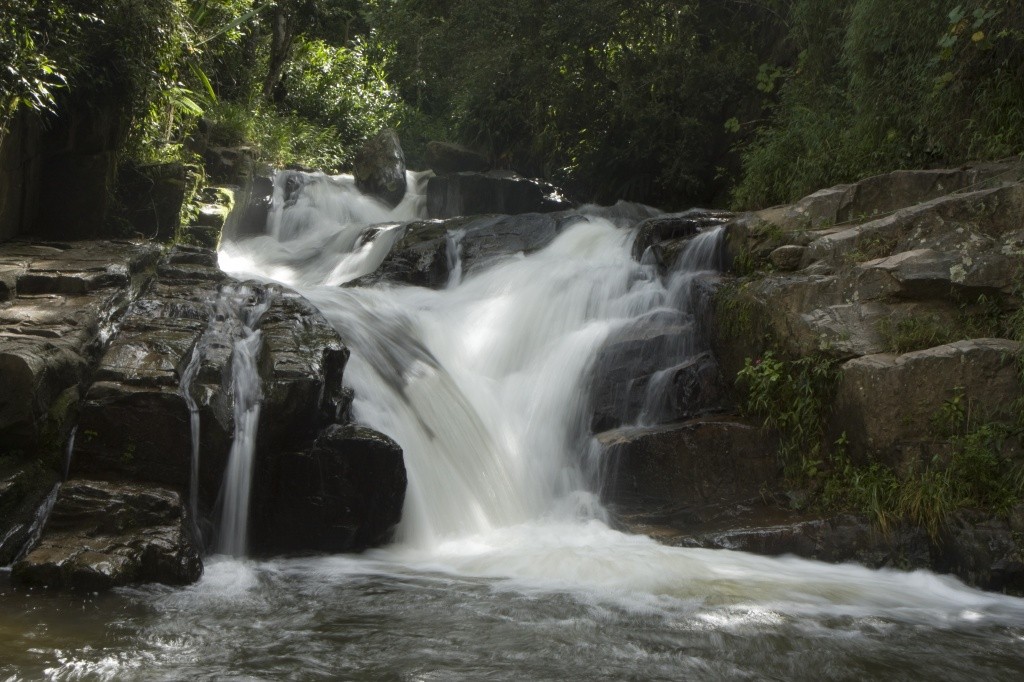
(687, 467)
(447, 157)
(904, 282)
(343, 494)
(675, 226)
(102, 535)
(426, 252)
(379, 168)
(151, 197)
(465, 194)
(887, 403)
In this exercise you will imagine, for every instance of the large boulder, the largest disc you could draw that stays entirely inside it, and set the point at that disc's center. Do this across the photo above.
(462, 194)
(379, 168)
(446, 157)
(708, 462)
(175, 348)
(343, 494)
(151, 197)
(103, 535)
(685, 225)
(888, 404)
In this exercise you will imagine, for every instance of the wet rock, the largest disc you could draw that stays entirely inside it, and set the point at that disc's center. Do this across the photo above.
(446, 157)
(151, 197)
(427, 251)
(232, 165)
(252, 206)
(463, 194)
(344, 494)
(699, 463)
(651, 372)
(788, 257)
(984, 552)
(420, 256)
(25, 484)
(379, 168)
(66, 299)
(886, 404)
(685, 225)
(135, 421)
(102, 535)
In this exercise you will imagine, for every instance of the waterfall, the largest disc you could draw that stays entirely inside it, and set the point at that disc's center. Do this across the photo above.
(484, 383)
(247, 306)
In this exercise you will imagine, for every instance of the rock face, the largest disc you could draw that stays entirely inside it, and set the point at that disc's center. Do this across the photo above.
(343, 494)
(887, 403)
(379, 168)
(465, 194)
(105, 335)
(711, 462)
(675, 226)
(151, 197)
(910, 284)
(427, 252)
(446, 157)
(102, 535)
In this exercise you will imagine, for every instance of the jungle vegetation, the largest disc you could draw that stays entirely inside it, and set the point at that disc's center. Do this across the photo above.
(670, 102)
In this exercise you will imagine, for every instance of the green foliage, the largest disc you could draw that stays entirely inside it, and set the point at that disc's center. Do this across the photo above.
(912, 85)
(280, 139)
(916, 333)
(975, 471)
(340, 88)
(793, 397)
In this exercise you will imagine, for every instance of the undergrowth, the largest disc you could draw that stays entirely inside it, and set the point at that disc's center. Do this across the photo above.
(973, 465)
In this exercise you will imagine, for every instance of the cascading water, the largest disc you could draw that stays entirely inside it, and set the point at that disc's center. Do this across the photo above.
(247, 306)
(503, 566)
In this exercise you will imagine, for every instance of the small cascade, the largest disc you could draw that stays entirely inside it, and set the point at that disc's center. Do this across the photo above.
(699, 260)
(248, 307)
(69, 448)
(453, 252)
(38, 522)
(187, 379)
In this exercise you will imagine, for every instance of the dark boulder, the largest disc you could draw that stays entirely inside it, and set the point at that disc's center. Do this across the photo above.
(700, 463)
(446, 157)
(650, 372)
(151, 197)
(103, 535)
(462, 194)
(379, 168)
(685, 225)
(343, 494)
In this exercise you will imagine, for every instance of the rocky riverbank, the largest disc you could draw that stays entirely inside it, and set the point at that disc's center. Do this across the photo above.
(901, 293)
(900, 296)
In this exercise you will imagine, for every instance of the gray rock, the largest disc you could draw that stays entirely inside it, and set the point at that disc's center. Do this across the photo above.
(787, 258)
(379, 168)
(886, 404)
(700, 463)
(446, 157)
(343, 494)
(464, 194)
(685, 225)
(102, 535)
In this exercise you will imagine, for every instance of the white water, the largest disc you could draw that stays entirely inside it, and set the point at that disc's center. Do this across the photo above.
(248, 306)
(483, 386)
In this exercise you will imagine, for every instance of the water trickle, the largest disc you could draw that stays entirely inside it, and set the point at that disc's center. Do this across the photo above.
(69, 448)
(247, 305)
(188, 378)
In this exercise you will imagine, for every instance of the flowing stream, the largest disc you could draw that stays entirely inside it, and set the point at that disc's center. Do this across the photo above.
(504, 567)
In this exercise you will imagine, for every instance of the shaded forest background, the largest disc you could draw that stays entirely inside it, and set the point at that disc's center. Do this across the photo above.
(742, 103)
